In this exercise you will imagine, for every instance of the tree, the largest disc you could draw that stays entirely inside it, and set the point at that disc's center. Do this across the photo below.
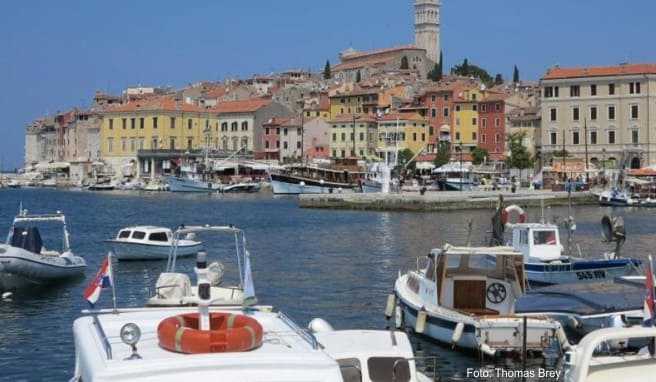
(404, 157)
(519, 158)
(479, 155)
(327, 74)
(404, 63)
(443, 155)
(468, 70)
(435, 75)
(515, 75)
(498, 80)
(358, 76)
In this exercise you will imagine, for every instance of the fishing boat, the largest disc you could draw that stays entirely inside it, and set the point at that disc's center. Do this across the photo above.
(196, 338)
(309, 179)
(186, 184)
(463, 298)
(546, 260)
(151, 243)
(24, 260)
(155, 186)
(242, 187)
(586, 363)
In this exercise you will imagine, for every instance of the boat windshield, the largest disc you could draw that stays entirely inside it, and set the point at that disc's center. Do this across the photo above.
(544, 238)
(124, 234)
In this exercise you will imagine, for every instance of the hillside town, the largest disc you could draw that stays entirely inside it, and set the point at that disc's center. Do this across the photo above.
(371, 103)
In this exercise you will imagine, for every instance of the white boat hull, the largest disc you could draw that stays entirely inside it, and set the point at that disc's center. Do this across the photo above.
(18, 266)
(136, 251)
(284, 188)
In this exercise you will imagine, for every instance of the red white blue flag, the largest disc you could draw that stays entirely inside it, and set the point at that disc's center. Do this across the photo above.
(649, 318)
(102, 280)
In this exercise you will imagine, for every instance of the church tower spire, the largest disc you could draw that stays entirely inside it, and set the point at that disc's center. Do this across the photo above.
(427, 27)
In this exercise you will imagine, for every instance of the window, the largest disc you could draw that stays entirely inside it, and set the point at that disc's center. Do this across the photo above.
(575, 137)
(133, 123)
(388, 369)
(124, 234)
(634, 111)
(285, 131)
(575, 91)
(457, 107)
(433, 98)
(361, 136)
(483, 122)
(556, 91)
(277, 144)
(554, 138)
(544, 238)
(414, 137)
(634, 88)
(189, 124)
(593, 113)
(611, 89)
(457, 135)
(124, 123)
(553, 113)
(593, 137)
(154, 143)
(244, 126)
(158, 236)
(497, 107)
(138, 235)
(266, 144)
(473, 136)
(433, 113)
(497, 122)
(445, 112)
(343, 153)
(334, 137)
(611, 137)
(133, 145)
(172, 143)
(224, 126)
(154, 122)
(575, 114)
(611, 113)
(483, 138)
(343, 137)
(634, 136)
(142, 123)
(475, 107)
(484, 108)
(190, 143)
(110, 145)
(593, 90)
(474, 121)
(548, 92)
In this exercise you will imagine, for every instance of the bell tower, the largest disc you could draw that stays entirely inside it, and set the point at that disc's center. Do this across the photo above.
(427, 27)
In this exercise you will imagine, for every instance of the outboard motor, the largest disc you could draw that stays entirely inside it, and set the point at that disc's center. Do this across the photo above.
(613, 231)
(204, 291)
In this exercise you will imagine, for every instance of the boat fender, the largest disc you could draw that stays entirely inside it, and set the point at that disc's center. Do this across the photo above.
(302, 184)
(319, 325)
(398, 317)
(391, 304)
(457, 332)
(574, 322)
(505, 215)
(7, 295)
(485, 348)
(420, 325)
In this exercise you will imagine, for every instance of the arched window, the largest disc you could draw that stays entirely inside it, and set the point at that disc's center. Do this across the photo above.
(235, 143)
(234, 126)
(244, 126)
(224, 126)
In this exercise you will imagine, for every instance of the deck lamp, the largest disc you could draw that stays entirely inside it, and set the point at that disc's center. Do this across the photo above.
(130, 335)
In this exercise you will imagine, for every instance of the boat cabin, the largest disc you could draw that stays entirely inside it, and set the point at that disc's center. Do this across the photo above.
(537, 242)
(145, 234)
(475, 281)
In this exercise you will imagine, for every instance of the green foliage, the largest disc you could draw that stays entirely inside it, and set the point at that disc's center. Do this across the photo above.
(519, 155)
(327, 73)
(443, 155)
(436, 73)
(405, 156)
(405, 65)
(515, 75)
(498, 80)
(478, 155)
(469, 70)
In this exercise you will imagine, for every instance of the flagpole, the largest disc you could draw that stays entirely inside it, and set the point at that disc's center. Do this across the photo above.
(111, 275)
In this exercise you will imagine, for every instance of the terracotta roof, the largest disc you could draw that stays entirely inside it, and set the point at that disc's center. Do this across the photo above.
(215, 92)
(243, 106)
(163, 103)
(283, 121)
(600, 71)
(375, 52)
(493, 97)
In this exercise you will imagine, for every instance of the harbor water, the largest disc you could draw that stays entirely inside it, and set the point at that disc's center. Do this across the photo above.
(338, 265)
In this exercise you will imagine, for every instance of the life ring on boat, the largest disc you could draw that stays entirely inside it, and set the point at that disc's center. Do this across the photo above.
(505, 214)
(229, 333)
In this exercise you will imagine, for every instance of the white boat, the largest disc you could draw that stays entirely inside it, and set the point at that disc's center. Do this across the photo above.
(150, 243)
(312, 179)
(465, 296)
(156, 186)
(456, 177)
(243, 187)
(617, 198)
(197, 340)
(583, 363)
(24, 261)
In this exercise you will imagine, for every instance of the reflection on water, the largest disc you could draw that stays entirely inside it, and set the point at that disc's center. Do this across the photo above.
(338, 265)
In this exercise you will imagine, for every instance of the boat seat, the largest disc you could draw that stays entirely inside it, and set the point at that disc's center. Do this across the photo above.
(173, 286)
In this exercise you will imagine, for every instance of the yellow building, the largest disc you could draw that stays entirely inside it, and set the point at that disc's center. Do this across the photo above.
(353, 136)
(159, 123)
(466, 118)
(356, 101)
(402, 131)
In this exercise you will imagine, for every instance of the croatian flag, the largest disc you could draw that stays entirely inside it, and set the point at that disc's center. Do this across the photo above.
(102, 280)
(649, 318)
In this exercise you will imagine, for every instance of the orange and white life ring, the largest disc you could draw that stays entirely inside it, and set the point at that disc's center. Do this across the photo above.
(229, 333)
(505, 215)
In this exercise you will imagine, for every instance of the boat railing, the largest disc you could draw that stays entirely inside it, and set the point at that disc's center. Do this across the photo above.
(306, 335)
(103, 337)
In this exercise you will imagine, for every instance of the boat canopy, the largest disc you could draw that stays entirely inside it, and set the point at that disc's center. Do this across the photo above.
(24, 217)
(454, 167)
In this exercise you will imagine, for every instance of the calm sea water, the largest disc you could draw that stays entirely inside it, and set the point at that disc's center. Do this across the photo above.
(338, 265)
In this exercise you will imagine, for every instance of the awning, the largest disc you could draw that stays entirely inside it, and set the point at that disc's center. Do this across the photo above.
(53, 166)
(425, 166)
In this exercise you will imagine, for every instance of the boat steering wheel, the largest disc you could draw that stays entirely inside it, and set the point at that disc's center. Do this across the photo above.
(496, 293)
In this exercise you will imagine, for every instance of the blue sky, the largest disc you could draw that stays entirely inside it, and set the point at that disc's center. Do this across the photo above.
(55, 54)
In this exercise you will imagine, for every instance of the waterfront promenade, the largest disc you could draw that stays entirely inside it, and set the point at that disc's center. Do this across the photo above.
(442, 201)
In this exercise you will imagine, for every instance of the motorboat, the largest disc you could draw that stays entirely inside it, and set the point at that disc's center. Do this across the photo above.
(25, 261)
(617, 198)
(546, 261)
(134, 185)
(155, 186)
(465, 296)
(456, 177)
(101, 187)
(151, 243)
(313, 179)
(183, 184)
(586, 363)
(196, 339)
